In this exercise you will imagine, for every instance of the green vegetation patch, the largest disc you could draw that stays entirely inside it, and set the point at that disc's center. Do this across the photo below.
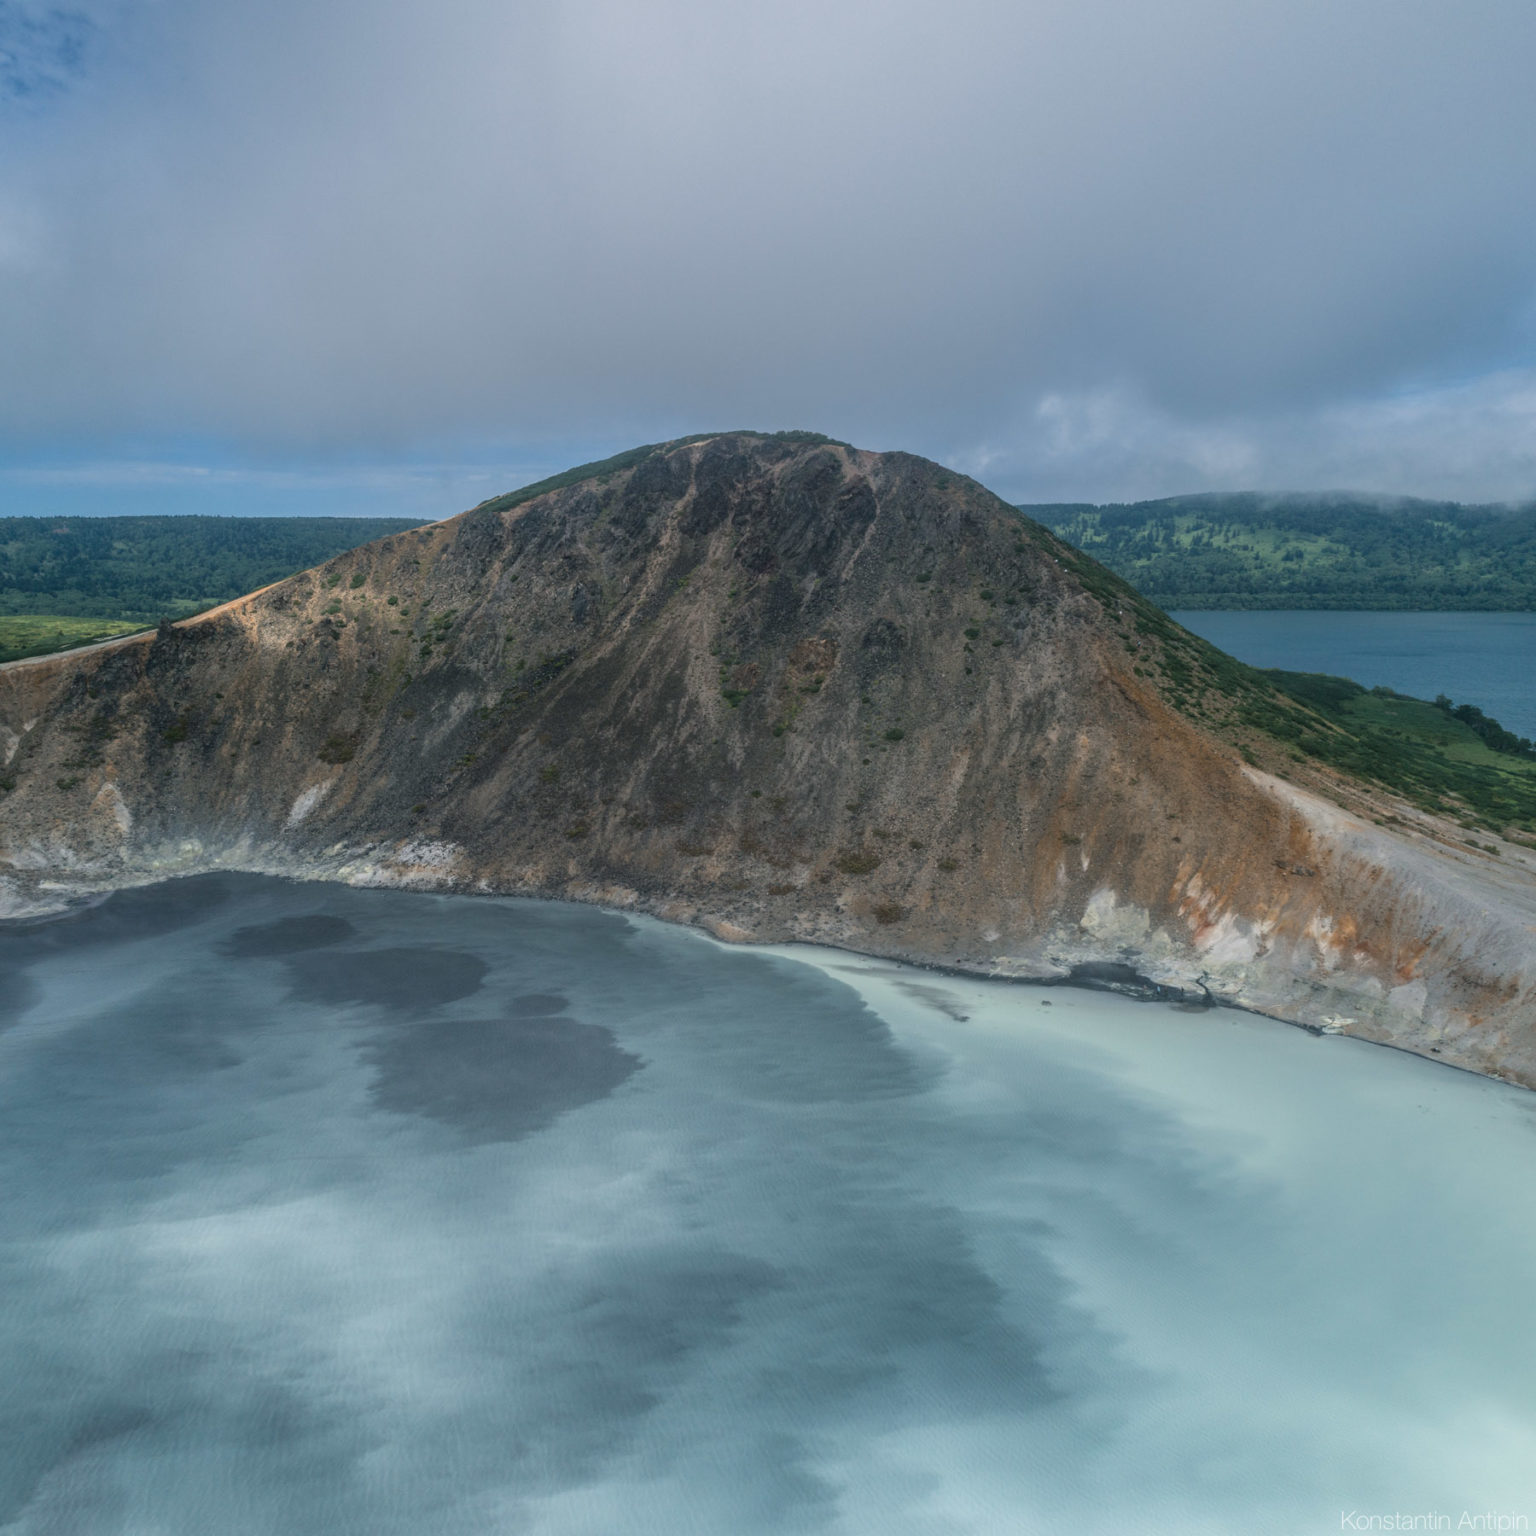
(1421, 750)
(142, 569)
(858, 861)
(38, 634)
(338, 748)
(1413, 748)
(1255, 551)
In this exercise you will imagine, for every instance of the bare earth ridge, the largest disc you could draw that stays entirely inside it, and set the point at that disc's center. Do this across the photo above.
(784, 689)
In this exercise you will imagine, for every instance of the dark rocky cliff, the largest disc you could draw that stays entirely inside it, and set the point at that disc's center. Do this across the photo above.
(778, 686)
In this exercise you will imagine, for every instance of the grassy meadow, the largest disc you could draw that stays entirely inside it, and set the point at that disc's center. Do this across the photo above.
(36, 634)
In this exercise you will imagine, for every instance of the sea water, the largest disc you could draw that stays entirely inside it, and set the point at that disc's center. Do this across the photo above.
(341, 1211)
(1486, 659)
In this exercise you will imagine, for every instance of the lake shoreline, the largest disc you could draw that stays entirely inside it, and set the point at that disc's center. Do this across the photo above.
(1134, 986)
(1485, 657)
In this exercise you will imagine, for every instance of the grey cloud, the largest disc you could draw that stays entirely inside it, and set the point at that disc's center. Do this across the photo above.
(1472, 441)
(304, 226)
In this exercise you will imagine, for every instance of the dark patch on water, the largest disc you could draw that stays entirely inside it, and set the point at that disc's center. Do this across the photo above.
(917, 1317)
(288, 936)
(402, 980)
(64, 1471)
(817, 1041)
(79, 1502)
(112, 1101)
(148, 912)
(497, 1079)
(109, 1421)
(935, 997)
(17, 992)
(656, 1308)
(144, 1041)
(643, 1319)
(1116, 976)
(538, 1005)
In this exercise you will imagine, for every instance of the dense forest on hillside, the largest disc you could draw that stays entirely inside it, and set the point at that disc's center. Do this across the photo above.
(1255, 551)
(142, 568)
(68, 580)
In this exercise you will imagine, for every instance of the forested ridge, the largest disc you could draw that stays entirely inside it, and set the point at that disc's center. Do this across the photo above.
(1250, 550)
(140, 569)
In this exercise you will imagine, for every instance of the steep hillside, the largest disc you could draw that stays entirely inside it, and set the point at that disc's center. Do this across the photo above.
(787, 689)
(1325, 551)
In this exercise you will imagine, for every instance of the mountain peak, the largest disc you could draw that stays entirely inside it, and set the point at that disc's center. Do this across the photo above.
(783, 687)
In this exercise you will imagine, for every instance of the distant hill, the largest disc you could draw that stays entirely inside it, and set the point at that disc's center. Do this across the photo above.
(139, 569)
(1250, 550)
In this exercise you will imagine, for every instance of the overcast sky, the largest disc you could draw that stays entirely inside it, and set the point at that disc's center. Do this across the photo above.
(335, 255)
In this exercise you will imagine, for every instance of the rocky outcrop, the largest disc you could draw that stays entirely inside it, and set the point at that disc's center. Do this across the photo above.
(785, 689)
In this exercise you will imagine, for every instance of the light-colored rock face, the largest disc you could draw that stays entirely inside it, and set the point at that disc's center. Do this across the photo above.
(788, 690)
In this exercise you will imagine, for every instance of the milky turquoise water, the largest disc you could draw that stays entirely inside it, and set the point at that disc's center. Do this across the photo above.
(1486, 659)
(371, 1212)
